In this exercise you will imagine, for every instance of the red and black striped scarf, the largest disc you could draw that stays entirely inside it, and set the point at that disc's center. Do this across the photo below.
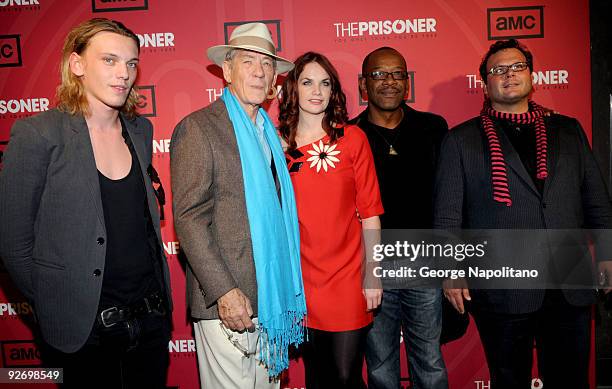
(499, 174)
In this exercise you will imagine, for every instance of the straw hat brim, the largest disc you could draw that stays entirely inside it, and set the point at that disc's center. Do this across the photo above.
(217, 55)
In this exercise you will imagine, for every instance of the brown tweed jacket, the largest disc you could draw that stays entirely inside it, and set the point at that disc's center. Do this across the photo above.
(209, 207)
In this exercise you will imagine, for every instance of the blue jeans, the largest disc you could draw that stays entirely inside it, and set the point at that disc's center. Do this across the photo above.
(419, 313)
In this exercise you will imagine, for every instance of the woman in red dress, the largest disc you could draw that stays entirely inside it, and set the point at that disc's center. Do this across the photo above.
(337, 197)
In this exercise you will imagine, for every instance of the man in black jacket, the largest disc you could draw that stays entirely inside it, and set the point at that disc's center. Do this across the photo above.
(518, 166)
(405, 144)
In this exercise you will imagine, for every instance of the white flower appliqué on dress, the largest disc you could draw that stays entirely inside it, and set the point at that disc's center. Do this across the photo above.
(323, 156)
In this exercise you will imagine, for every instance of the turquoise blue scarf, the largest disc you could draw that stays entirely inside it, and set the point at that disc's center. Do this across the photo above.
(275, 237)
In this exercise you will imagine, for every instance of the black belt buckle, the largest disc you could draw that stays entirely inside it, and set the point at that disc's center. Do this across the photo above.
(102, 318)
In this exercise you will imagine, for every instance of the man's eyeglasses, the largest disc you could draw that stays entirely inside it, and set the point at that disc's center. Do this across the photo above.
(503, 69)
(380, 75)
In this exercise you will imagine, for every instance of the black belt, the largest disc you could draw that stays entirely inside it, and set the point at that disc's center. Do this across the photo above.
(113, 315)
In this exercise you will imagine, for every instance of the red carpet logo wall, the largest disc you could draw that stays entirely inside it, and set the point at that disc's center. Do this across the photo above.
(18, 5)
(10, 51)
(119, 5)
(515, 22)
(146, 102)
(20, 353)
(443, 42)
(379, 29)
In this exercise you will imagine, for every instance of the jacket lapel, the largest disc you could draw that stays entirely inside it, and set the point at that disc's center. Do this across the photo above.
(87, 163)
(138, 140)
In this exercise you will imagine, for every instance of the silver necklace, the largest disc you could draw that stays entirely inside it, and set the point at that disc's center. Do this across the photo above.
(392, 150)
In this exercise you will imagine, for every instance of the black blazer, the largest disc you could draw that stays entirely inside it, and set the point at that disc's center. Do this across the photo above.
(52, 231)
(574, 197)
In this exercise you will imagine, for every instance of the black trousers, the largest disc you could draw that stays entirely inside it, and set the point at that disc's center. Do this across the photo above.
(334, 359)
(562, 336)
(130, 354)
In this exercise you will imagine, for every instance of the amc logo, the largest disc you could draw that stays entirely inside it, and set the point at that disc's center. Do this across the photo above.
(146, 103)
(10, 51)
(119, 5)
(409, 99)
(515, 22)
(273, 26)
(20, 353)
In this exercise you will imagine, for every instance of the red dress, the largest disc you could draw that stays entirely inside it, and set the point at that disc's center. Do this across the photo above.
(334, 186)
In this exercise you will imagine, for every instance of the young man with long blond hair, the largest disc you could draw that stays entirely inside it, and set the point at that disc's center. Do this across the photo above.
(79, 224)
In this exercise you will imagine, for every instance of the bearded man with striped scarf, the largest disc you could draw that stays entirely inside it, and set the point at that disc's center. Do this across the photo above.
(520, 166)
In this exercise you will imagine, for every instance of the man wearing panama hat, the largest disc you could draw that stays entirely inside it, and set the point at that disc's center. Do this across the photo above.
(235, 216)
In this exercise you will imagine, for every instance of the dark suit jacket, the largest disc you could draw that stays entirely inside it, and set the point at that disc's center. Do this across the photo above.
(52, 229)
(574, 197)
(209, 208)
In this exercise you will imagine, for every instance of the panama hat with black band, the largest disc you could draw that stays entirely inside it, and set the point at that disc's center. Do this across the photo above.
(252, 37)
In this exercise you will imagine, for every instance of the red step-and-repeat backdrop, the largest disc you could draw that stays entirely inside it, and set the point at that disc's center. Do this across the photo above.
(443, 42)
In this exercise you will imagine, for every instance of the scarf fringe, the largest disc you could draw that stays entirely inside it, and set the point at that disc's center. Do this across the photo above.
(276, 337)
